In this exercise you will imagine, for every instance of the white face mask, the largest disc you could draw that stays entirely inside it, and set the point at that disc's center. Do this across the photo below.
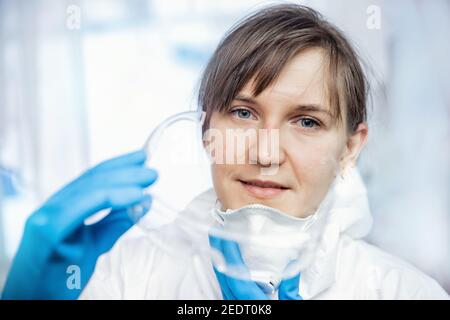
(275, 244)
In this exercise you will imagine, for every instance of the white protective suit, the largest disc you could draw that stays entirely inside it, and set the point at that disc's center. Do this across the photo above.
(344, 266)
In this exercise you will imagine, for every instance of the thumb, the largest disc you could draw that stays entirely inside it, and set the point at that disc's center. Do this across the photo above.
(114, 225)
(289, 289)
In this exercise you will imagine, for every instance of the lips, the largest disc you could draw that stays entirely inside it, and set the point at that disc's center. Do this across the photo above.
(263, 189)
(264, 184)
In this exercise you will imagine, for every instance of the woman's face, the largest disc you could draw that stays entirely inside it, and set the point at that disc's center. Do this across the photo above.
(296, 146)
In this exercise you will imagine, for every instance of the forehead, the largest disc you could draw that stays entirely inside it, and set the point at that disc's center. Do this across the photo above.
(301, 81)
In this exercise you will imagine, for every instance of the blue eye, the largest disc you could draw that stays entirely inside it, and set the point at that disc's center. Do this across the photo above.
(242, 113)
(308, 123)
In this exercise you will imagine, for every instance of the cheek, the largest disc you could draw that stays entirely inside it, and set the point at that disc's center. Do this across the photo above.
(220, 174)
(217, 150)
(315, 164)
(228, 144)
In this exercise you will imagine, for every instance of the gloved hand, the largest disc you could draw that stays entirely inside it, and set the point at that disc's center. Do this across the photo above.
(56, 243)
(238, 289)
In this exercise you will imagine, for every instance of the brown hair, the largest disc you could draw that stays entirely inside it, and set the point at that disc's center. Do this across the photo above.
(260, 45)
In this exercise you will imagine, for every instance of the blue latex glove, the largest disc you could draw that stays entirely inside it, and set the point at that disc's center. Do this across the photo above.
(56, 243)
(238, 289)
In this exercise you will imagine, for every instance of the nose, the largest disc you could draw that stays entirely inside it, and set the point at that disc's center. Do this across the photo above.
(269, 153)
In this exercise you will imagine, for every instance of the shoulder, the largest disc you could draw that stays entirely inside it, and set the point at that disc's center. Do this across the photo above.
(376, 274)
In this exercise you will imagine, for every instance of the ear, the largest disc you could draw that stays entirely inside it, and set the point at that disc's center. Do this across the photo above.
(354, 145)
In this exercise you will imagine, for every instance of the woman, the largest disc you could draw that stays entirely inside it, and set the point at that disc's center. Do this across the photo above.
(282, 69)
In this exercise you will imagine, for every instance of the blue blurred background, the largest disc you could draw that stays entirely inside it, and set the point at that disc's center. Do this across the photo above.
(84, 80)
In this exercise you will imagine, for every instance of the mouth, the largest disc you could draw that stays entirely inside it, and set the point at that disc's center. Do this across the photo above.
(263, 189)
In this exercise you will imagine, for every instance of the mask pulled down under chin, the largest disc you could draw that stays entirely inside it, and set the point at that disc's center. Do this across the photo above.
(273, 244)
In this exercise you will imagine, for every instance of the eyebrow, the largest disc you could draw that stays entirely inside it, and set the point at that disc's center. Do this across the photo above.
(301, 107)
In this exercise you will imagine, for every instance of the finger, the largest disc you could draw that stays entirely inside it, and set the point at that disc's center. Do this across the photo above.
(138, 211)
(113, 216)
(289, 289)
(133, 158)
(113, 226)
(140, 176)
(64, 218)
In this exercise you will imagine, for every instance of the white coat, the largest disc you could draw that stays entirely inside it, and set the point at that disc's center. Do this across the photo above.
(344, 267)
